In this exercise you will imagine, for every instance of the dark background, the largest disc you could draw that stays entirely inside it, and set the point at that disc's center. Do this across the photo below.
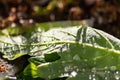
(105, 14)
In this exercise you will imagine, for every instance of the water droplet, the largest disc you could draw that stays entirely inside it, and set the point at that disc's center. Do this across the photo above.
(92, 77)
(83, 70)
(106, 78)
(76, 57)
(107, 75)
(65, 74)
(95, 45)
(67, 47)
(73, 73)
(117, 76)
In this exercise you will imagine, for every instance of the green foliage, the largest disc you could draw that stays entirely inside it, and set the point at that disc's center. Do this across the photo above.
(51, 57)
(31, 70)
(69, 53)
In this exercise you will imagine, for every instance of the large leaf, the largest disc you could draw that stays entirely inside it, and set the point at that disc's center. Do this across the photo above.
(82, 50)
(79, 60)
(21, 45)
(78, 52)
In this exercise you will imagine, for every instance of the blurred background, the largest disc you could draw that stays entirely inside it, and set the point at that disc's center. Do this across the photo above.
(105, 14)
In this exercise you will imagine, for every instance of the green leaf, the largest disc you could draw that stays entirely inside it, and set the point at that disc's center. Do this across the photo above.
(30, 42)
(79, 61)
(12, 47)
(51, 57)
(31, 70)
(17, 55)
(75, 52)
(21, 76)
(87, 49)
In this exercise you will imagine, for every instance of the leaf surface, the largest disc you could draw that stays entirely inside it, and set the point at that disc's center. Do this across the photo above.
(74, 52)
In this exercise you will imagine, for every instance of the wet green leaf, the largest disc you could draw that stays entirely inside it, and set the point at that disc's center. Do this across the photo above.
(75, 52)
(31, 70)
